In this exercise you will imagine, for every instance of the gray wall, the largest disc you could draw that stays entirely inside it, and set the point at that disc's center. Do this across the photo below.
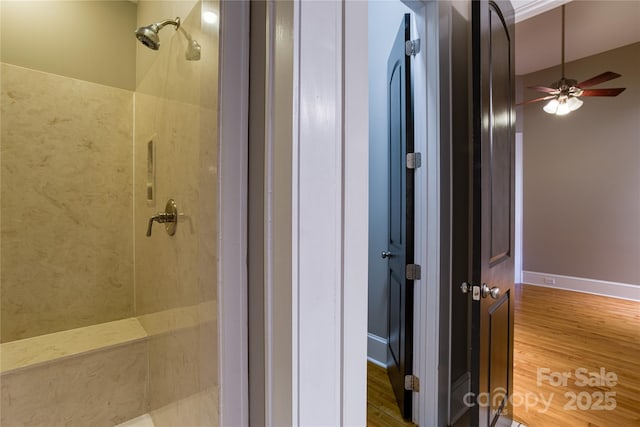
(582, 176)
(384, 21)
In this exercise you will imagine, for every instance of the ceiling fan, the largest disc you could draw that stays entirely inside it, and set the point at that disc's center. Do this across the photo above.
(564, 95)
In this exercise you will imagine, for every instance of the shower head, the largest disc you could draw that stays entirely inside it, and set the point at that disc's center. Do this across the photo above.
(193, 47)
(148, 36)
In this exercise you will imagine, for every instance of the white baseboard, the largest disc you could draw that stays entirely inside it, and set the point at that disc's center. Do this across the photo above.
(579, 284)
(377, 350)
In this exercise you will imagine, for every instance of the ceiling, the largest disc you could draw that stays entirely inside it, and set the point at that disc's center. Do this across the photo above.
(592, 26)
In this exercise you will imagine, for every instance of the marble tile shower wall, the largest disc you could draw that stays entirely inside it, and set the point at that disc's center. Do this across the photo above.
(176, 276)
(67, 200)
(74, 165)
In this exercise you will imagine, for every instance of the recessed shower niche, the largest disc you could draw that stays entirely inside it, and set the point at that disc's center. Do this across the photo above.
(151, 172)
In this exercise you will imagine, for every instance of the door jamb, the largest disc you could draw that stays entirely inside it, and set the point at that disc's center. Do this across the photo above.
(432, 364)
(232, 221)
(428, 349)
(432, 316)
(317, 154)
(431, 304)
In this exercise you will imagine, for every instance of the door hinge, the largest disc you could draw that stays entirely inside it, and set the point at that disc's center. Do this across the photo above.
(413, 271)
(411, 383)
(412, 47)
(414, 160)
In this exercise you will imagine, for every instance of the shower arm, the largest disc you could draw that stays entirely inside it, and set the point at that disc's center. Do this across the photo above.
(174, 22)
(184, 33)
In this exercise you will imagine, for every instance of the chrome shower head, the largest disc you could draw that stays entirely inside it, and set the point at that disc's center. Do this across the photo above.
(193, 51)
(148, 35)
(193, 47)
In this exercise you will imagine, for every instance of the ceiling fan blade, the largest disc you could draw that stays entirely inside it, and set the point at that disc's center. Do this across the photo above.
(604, 77)
(614, 91)
(543, 89)
(531, 101)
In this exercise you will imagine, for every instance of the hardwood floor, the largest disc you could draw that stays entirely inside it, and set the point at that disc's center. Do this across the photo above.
(557, 332)
(382, 409)
(563, 332)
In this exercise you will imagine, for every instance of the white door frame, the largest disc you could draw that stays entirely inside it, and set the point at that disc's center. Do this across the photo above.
(322, 297)
(330, 199)
(233, 92)
(329, 203)
(427, 226)
(315, 203)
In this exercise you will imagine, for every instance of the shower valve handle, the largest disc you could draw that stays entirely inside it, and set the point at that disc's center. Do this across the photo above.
(161, 218)
(169, 218)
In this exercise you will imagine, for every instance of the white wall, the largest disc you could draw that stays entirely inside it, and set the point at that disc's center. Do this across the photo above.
(384, 21)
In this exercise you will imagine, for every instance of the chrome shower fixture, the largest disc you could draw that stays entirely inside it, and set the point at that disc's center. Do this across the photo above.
(149, 37)
(193, 47)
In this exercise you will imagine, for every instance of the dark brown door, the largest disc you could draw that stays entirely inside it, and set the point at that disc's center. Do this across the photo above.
(493, 211)
(400, 252)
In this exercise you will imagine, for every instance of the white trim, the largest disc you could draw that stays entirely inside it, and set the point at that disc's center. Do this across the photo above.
(427, 227)
(355, 219)
(329, 201)
(232, 222)
(525, 9)
(584, 285)
(281, 371)
(519, 209)
(317, 199)
(377, 350)
(295, 222)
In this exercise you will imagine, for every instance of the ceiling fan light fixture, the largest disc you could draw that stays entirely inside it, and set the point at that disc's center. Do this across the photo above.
(551, 107)
(563, 108)
(574, 103)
